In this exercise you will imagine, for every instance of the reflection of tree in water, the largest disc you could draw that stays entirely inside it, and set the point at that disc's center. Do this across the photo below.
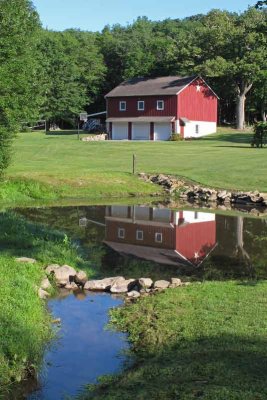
(241, 250)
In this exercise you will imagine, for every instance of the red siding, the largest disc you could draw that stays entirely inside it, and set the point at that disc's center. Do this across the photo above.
(170, 106)
(197, 105)
(196, 238)
(168, 234)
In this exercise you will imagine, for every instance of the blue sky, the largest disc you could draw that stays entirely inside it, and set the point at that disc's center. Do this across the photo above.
(94, 15)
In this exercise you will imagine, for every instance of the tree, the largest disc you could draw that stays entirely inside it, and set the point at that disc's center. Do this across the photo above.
(19, 92)
(234, 47)
(261, 4)
(73, 70)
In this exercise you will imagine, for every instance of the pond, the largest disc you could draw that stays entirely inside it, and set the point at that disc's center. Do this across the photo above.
(134, 241)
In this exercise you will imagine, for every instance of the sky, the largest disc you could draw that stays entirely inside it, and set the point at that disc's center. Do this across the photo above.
(93, 15)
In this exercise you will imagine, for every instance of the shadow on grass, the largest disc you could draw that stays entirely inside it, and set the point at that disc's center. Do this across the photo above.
(207, 368)
(244, 138)
(62, 133)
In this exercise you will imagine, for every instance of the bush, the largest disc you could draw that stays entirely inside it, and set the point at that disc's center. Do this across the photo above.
(6, 136)
(260, 133)
(175, 137)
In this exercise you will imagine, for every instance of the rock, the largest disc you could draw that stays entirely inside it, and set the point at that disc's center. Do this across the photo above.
(26, 260)
(146, 283)
(102, 284)
(80, 279)
(122, 286)
(81, 275)
(222, 195)
(43, 294)
(133, 294)
(161, 284)
(71, 286)
(45, 284)
(95, 138)
(213, 197)
(51, 268)
(175, 282)
(62, 274)
(56, 321)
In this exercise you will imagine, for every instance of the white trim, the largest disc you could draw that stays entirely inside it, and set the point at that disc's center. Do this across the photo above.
(121, 233)
(158, 241)
(163, 105)
(138, 105)
(120, 106)
(138, 231)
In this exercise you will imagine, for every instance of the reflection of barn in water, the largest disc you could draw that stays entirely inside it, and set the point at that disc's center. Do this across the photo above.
(161, 235)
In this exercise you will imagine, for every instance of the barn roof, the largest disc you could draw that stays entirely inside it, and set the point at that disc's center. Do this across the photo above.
(165, 85)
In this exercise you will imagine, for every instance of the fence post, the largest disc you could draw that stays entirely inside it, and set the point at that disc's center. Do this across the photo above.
(134, 163)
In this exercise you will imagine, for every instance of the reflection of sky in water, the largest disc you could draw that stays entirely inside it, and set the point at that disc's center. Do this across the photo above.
(85, 349)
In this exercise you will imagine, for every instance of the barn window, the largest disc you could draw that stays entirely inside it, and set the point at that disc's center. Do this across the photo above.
(197, 129)
(121, 233)
(139, 235)
(160, 105)
(122, 105)
(140, 105)
(158, 237)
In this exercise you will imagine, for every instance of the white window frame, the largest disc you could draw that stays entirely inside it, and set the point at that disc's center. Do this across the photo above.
(122, 108)
(156, 237)
(121, 233)
(197, 129)
(162, 107)
(137, 234)
(143, 105)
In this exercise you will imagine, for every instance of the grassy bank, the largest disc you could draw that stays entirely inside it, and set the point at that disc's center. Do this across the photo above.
(204, 341)
(72, 168)
(24, 321)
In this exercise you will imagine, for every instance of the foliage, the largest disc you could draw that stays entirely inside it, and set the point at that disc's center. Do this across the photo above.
(175, 137)
(6, 137)
(234, 47)
(261, 4)
(260, 133)
(73, 71)
(19, 30)
(205, 341)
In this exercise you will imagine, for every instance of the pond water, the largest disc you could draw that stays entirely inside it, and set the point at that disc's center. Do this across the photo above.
(85, 350)
(159, 242)
(134, 241)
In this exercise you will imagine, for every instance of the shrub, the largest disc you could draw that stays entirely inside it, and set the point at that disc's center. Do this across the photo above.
(175, 137)
(260, 133)
(6, 137)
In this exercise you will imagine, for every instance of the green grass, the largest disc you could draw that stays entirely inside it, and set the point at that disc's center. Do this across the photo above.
(205, 341)
(72, 168)
(24, 321)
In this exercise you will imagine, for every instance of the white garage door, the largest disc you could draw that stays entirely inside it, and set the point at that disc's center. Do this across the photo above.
(120, 131)
(162, 131)
(141, 131)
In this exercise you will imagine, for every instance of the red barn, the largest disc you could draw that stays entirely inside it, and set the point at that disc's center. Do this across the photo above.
(151, 109)
(161, 235)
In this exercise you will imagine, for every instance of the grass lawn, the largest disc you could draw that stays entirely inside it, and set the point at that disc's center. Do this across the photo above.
(205, 342)
(96, 169)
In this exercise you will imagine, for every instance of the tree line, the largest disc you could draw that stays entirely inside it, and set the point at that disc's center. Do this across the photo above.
(56, 75)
